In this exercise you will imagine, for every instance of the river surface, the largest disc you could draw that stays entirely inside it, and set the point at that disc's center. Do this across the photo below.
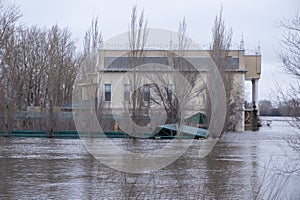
(246, 165)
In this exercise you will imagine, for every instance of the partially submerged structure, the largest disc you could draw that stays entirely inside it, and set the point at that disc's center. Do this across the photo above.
(125, 82)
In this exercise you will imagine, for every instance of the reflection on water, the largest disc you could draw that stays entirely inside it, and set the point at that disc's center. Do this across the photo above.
(243, 165)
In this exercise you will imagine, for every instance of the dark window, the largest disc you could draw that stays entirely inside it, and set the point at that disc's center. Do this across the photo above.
(169, 92)
(147, 92)
(126, 92)
(107, 92)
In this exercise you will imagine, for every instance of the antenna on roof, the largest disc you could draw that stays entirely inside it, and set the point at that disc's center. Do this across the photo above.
(258, 49)
(171, 43)
(242, 44)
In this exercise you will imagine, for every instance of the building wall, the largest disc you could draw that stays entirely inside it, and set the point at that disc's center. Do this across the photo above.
(253, 66)
(248, 66)
(118, 79)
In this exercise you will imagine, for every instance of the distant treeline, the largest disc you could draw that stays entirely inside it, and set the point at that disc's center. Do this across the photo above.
(289, 108)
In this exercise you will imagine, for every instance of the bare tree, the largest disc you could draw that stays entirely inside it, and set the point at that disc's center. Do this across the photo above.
(137, 38)
(93, 42)
(196, 99)
(8, 19)
(167, 92)
(289, 96)
(37, 68)
(46, 68)
(290, 59)
(219, 52)
(170, 91)
(178, 88)
(60, 71)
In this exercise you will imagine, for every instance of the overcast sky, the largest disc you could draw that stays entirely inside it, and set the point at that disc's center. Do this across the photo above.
(256, 20)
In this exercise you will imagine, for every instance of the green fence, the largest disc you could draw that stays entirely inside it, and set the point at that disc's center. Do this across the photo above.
(72, 134)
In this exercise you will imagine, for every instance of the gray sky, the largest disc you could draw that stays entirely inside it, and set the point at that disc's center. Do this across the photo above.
(256, 20)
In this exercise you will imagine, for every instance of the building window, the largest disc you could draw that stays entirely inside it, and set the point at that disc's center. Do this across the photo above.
(107, 92)
(126, 92)
(169, 89)
(147, 92)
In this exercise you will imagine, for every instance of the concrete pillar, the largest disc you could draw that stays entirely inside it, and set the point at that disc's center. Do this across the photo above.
(255, 92)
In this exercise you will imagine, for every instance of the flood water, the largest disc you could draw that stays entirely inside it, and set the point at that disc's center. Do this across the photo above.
(246, 165)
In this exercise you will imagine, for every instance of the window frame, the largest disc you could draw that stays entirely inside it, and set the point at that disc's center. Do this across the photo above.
(108, 92)
(146, 92)
(126, 92)
(169, 92)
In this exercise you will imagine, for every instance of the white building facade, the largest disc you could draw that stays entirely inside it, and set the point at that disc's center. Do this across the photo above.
(119, 75)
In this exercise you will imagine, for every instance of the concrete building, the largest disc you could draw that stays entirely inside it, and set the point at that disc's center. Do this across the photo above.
(111, 83)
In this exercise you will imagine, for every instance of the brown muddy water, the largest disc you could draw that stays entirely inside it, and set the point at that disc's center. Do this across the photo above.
(245, 165)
